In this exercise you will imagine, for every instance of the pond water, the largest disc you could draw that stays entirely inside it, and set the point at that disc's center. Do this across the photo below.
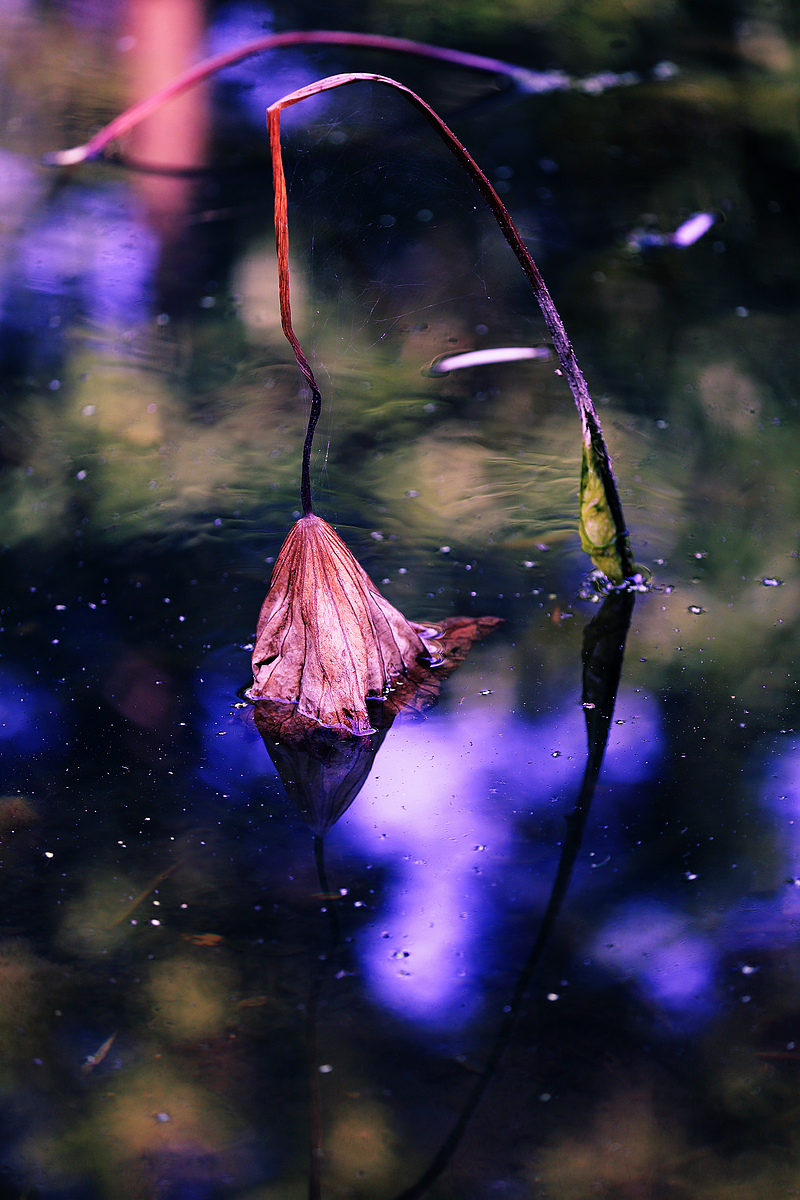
(176, 1020)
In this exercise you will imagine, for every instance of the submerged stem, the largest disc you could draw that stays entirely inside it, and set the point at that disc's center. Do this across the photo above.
(333, 918)
(315, 1125)
(590, 423)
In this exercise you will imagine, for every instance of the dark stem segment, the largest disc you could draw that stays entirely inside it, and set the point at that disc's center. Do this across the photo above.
(333, 918)
(590, 423)
(315, 1123)
(314, 1094)
(603, 650)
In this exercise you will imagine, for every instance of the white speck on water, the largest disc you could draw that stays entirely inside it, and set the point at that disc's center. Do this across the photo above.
(693, 229)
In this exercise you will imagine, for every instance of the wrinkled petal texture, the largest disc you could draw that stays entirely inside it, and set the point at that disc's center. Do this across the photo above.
(326, 638)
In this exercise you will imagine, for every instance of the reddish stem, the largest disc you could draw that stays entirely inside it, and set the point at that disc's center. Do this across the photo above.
(592, 431)
(529, 81)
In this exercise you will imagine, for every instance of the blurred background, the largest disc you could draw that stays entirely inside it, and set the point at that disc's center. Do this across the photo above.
(160, 922)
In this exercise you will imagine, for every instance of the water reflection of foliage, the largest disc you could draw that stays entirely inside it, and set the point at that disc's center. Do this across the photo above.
(620, 1100)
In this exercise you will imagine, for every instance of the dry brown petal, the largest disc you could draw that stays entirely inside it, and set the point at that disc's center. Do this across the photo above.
(326, 638)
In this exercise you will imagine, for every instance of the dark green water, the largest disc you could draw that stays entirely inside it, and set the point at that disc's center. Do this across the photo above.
(158, 889)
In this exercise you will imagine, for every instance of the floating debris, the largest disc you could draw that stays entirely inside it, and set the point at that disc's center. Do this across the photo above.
(685, 235)
(480, 358)
(92, 1060)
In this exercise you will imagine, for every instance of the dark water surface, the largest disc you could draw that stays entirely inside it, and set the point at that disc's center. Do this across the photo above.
(162, 928)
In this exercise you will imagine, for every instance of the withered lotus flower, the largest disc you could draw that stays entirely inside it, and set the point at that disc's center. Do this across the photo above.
(334, 662)
(326, 639)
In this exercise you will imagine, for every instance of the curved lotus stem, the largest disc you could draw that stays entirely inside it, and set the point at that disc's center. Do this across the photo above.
(617, 558)
(524, 79)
